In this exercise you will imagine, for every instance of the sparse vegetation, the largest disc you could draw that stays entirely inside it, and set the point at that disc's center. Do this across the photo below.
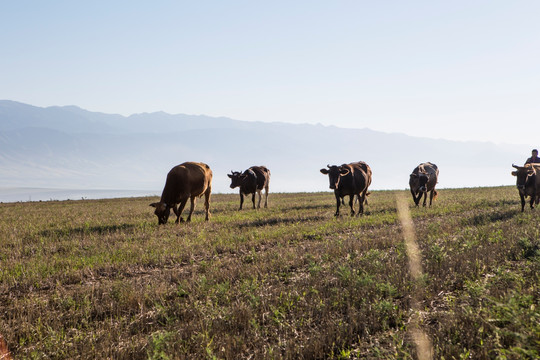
(100, 279)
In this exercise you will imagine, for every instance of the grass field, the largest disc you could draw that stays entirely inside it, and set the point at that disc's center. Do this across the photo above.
(100, 279)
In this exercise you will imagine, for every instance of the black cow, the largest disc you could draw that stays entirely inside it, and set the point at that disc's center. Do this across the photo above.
(251, 181)
(185, 181)
(528, 183)
(423, 180)
(349, 179)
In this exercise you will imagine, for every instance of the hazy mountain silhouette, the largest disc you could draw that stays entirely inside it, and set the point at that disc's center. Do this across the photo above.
(59, 147)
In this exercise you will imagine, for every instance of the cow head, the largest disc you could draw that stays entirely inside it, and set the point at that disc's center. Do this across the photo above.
(236, 178)
(422, 178)
(523, 174)
(162, 212)
(334, 174)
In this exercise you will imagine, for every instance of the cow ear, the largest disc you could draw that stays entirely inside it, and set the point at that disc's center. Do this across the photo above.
(229, 175)
(414, 175)
(514, 173)
(154, 204)
(324, 171)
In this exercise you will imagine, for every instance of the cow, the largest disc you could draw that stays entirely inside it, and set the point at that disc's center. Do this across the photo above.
(251, 181)
(423, 180)
(188, 180)
(349, 179)
(528, 183)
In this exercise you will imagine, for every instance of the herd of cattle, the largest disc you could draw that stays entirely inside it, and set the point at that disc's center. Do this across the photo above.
(193, 179)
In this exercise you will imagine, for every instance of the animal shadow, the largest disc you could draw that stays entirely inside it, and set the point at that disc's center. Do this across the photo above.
(483, 219)
(96, 229)
(279, 221)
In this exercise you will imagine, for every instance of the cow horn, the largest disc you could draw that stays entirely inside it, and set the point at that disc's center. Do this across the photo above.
(328, 166)
(515, 166)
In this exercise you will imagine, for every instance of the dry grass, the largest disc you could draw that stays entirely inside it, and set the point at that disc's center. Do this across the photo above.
(100, 279)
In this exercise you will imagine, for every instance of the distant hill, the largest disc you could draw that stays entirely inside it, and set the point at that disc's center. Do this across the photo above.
(68, 147)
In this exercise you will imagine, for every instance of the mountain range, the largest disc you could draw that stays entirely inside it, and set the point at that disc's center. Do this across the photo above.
(69, 147)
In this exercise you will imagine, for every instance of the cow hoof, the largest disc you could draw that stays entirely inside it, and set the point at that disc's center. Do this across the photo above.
(181, 220)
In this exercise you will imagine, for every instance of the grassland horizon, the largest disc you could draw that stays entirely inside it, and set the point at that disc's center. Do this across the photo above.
(100, 279)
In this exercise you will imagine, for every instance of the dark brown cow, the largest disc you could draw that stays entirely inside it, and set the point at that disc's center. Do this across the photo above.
(251, 181)
(528, 183)
(349, 179)
(185, 181)
(423, 180)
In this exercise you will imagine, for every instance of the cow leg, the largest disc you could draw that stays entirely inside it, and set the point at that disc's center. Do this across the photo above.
(192, 208)
(241, 200)
(260, 199)
(425, 198)
(351, 204)
(415, 198)
(180, 209)
(364, 196)
(253, 198)
(266, 197)
(361, 199)
(522, 202)
(338, 201)
(207, 203)
(431, 197)
(531, 203)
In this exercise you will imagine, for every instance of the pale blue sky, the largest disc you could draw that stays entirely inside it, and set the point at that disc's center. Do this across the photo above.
(466, 70)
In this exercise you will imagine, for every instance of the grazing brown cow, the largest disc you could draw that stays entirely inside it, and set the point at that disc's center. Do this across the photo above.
(252, 181)
(349, 179)
(528, 183)
(185, 181)
(423, 180)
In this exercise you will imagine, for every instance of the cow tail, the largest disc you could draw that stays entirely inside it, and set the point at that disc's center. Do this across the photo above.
(435, 194)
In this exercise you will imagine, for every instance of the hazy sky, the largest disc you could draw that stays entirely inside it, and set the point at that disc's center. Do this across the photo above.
(453, 69)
